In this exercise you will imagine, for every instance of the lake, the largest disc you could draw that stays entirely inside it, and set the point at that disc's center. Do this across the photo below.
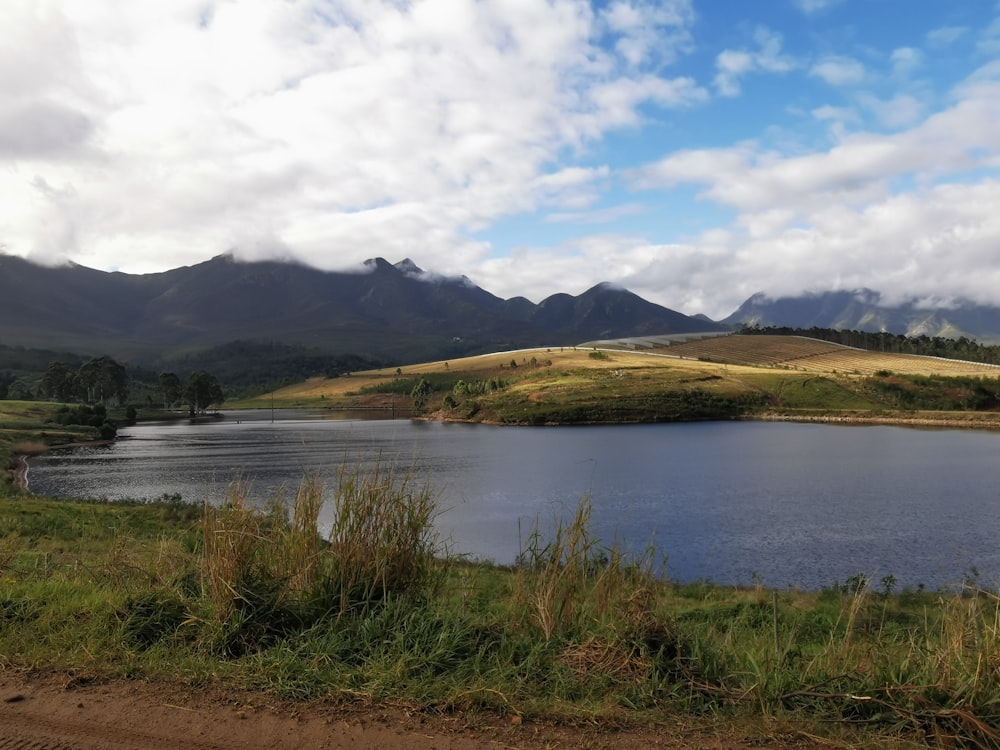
(785, 504)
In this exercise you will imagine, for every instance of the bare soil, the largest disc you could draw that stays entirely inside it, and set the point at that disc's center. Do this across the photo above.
(67, 712)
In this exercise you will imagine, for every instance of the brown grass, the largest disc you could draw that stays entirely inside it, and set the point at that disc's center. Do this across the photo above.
(813, 355)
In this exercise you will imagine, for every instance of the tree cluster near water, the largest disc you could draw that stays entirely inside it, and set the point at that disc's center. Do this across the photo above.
(101, 382)
(202, 391)
(87, 416)
(961, 348)
(98, 380)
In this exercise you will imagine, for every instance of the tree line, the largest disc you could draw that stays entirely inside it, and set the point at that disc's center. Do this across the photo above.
(104, 381)
(962, 348)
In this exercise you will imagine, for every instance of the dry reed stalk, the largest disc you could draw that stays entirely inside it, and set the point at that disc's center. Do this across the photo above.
(232, 534)
(602, 657)
(382, 540)
(570, 582)
(302, 545)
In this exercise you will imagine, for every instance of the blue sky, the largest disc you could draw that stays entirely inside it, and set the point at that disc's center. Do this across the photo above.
(694, 151)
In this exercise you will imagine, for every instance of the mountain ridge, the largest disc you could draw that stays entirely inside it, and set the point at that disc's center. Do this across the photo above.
(383, 311)
(862, 310)
(388, 312)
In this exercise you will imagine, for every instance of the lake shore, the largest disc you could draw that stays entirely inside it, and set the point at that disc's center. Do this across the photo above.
(19, 473)
(968, 420)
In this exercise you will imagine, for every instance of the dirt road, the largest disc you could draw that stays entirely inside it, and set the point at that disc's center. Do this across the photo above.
(62, 712)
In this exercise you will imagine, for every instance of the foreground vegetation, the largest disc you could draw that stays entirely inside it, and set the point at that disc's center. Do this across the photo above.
(373, 610)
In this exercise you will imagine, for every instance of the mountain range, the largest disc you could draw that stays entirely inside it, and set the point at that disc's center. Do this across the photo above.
(862, 310)
(383, 313)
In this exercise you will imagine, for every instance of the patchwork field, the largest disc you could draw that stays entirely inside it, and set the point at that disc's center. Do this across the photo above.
(715, 378)
(813, 355)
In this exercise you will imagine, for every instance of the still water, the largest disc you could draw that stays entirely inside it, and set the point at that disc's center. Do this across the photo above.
(734, 502)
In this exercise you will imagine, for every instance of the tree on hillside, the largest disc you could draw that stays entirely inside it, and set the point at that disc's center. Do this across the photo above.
(58, 383)
(170, 389)
(102, 379)
(419, 394)
(203, 391)
(19, 390)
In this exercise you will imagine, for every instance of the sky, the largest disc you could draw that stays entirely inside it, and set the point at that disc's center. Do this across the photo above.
(695, 152)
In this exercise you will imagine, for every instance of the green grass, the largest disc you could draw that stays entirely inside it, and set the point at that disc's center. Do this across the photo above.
(376, 611)
(798, 391)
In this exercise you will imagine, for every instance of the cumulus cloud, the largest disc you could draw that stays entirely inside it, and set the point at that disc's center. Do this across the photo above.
(328, 130)
(860, 166)
(830, 219)
(838, 70)
(733, 65)
(650, 31)
(143, 136)
(917, 245)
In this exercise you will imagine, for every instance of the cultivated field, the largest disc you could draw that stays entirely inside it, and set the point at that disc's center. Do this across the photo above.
(813, 355)
(713, 361)
(725, 377)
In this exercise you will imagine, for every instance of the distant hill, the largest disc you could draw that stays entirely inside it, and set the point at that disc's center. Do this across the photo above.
(384, 312)
(861, 310)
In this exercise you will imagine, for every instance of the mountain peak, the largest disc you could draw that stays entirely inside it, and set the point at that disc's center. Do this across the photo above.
(378, 264)
(408, 267)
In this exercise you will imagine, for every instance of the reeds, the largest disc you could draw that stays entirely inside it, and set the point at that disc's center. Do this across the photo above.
(569, 581)
(268, 571)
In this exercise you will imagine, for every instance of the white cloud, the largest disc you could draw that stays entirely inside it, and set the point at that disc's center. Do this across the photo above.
(920, 244)
(148, 135)
(856, 170)
(328, 130)
(732, 65)
(650, 31)
(839, 71)
(834, 218)
(838, 115)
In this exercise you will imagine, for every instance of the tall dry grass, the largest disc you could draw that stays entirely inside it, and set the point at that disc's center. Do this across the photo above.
(568, 582)
(271, 570)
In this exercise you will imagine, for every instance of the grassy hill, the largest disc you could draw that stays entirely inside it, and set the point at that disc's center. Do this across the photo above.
(722, 377)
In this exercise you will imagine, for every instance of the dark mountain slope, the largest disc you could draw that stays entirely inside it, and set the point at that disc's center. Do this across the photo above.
(383, 311)
(606, 311)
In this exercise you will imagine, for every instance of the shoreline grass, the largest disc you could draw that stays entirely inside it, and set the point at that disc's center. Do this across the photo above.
(575, 631)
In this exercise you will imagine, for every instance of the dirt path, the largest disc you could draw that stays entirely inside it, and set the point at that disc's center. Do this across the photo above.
(59, 712)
